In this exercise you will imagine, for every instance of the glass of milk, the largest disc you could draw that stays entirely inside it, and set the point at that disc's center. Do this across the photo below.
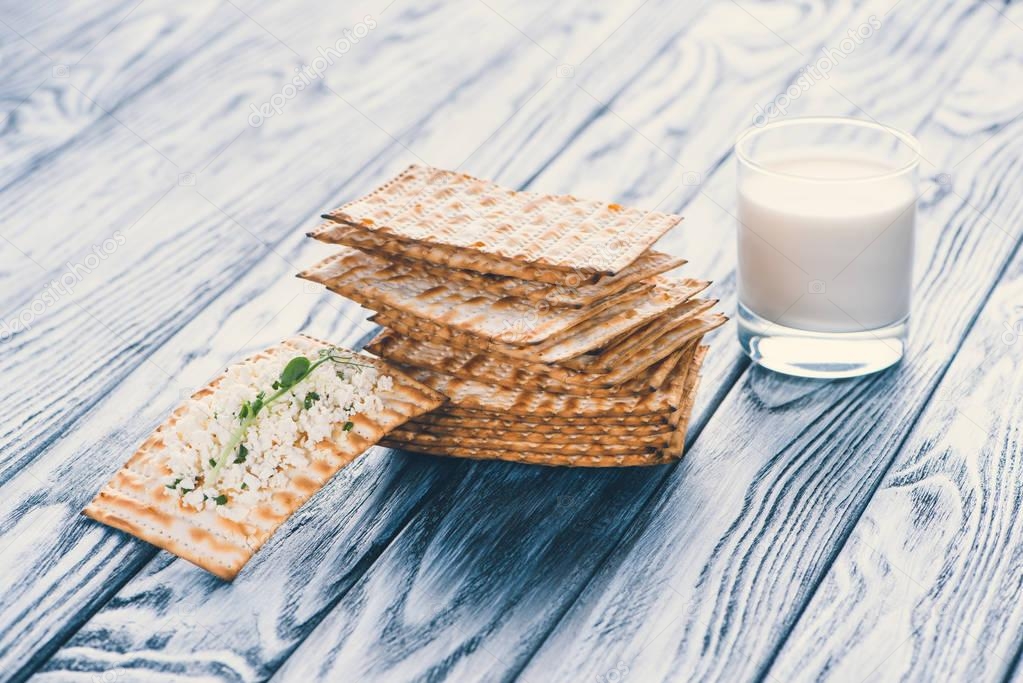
(826, 216)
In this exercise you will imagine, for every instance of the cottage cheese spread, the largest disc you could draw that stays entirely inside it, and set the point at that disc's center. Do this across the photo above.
(279, 440)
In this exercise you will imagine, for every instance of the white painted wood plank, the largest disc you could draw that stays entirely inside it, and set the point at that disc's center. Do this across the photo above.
(65, 65)
(721, 564)
(247, 305)
(309, 173)
(489, 625)
(517, 568)
(234, 62)
(927, 586)
(169, 228)
(31, 43)
(65, 566)
(185, 605)
(98, 55)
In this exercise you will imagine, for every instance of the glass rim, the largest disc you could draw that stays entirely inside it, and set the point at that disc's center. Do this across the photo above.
(902, 136)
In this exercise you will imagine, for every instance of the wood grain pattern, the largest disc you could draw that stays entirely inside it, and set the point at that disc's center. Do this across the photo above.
(467, 652)
(926, 586)
(239, 315)
(249, 627)
(243, 294)
(111, 51)
(127, 53)
(92, 583)
(417, 568)
(724, 561)
(479, 620)
(63, 566)
(217, 223)
(302, 179)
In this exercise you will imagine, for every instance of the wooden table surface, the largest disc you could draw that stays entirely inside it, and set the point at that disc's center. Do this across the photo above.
(854, 530)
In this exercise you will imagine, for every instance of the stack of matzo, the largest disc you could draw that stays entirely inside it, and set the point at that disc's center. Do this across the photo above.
(547, 321)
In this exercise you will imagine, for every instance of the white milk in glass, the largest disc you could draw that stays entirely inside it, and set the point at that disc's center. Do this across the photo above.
(826, 241)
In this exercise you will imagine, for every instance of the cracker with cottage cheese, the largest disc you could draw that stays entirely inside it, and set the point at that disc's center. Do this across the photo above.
(234, 461)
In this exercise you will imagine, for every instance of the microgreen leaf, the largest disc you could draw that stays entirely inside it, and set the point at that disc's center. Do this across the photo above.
(243, 453)
(294, 371)
(221, 499)
(310, 398)
(175, 484)
(348, 426)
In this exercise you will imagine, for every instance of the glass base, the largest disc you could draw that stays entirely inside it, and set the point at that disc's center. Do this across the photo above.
(823, 355)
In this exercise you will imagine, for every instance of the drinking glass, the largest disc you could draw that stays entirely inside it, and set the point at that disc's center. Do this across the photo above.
(826, 223)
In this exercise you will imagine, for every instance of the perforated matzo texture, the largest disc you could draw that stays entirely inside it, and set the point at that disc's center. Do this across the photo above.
(376, 282)
(137, 501)
(443, 207)
(499, 370)
(570, 290)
